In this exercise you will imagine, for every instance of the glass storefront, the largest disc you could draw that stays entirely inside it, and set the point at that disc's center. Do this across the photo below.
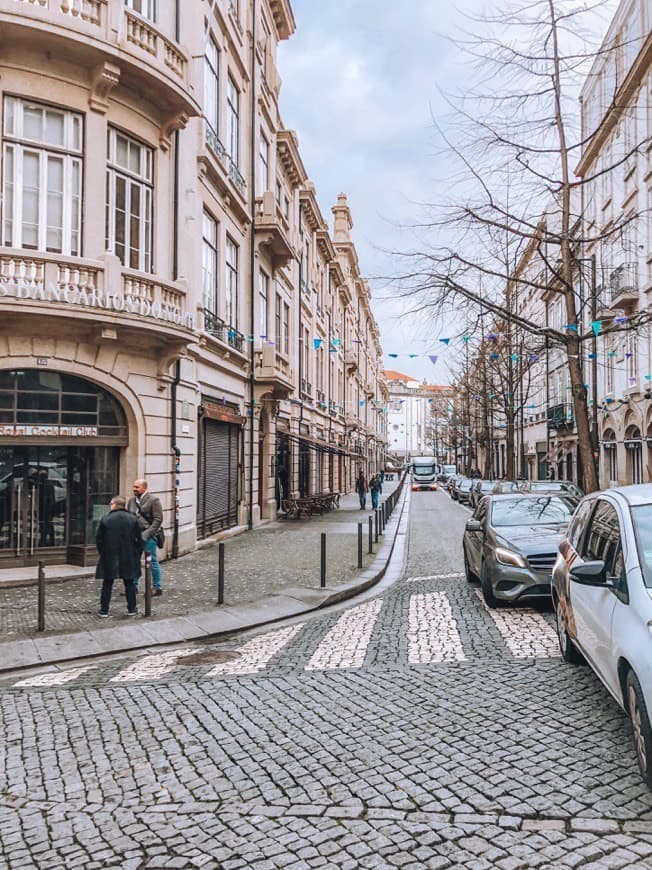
(60, 439)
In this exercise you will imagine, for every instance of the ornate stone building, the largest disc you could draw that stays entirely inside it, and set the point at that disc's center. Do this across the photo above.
(165, 276)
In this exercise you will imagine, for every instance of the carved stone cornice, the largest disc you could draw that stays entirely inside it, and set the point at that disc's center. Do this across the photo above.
(174, 122)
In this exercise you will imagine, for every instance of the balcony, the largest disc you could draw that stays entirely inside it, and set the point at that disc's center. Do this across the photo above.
(78, 295)
(222, 331)
(332, 408)
(306, 389)
(273, 371)
(114, 43)
(272, 231)
(351, 361)
(622, 287)
(561, 416)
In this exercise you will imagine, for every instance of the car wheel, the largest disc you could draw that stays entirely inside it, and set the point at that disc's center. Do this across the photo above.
(567, 648)
(640, 726)
(470, 576)
(487, 591)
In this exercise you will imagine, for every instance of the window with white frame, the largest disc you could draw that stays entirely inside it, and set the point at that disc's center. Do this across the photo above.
(146, 8)
(610, 368)
(306, 355)
(277, 321)
(263, 303)
(285, 329)
(212, 85)
(631, 358)
(129, 201)
(231, 286)
(263, 163)
(209, 262)
(232, 121)
(42, 177)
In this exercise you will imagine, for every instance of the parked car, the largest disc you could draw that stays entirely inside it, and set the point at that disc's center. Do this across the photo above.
(552, 486)
(510, 544)
(505, 486)
(463, 490)
(452, 483)
(602, 594)
(480, 488)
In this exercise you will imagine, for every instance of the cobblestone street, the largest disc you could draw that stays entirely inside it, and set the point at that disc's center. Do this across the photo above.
(411, 728)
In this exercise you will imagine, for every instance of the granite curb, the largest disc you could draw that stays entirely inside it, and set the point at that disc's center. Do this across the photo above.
(290, 602)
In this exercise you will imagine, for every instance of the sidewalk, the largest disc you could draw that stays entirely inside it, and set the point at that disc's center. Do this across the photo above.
(270, 573)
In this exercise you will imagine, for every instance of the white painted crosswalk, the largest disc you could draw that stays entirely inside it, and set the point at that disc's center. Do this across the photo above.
(526, 633)
(345, 645)
(256, 654)
(432, 633)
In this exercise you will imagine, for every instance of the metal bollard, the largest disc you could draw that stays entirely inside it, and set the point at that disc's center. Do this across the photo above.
(220, 573)
(322, 580)
(376, 522)
(148, 584)
(371, 535)
(359, 545)
(41, 596)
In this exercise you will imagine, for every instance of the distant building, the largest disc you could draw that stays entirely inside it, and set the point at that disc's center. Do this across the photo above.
(417, 417)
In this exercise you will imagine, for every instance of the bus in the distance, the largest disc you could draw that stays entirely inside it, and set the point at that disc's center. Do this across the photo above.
(424, 471)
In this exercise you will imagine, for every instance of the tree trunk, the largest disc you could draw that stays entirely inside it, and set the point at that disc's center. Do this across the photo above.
(589, 481)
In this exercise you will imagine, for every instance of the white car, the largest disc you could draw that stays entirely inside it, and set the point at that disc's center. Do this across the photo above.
(602, 594)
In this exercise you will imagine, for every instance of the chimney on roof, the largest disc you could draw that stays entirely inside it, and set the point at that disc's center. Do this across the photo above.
(343, 221)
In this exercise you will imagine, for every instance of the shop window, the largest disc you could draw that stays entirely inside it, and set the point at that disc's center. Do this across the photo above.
(42, 177)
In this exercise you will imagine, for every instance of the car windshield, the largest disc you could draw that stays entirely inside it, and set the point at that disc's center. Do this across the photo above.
(642, 519)
(486, 486)
(541, 511)
(546, 485)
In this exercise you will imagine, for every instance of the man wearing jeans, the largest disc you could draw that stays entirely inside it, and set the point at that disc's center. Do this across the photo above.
(119, 545)
(148, 509)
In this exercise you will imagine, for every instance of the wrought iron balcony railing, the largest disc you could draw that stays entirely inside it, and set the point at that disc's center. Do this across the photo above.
(223, 331)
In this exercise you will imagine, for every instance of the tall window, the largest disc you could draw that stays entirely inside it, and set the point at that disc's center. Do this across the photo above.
(263, 303)
(232, 121)
(231, 286)
(211, 85)
(146, 8)
(42, 178)
(129, 201)
(306, 355)
(209, 262)
(278, 337)
(285, 329)
(263, 163)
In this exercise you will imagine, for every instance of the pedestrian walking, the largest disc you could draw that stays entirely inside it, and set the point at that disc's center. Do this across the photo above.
(361, 489)
(119, 543)
(147, 508)
(374, 489)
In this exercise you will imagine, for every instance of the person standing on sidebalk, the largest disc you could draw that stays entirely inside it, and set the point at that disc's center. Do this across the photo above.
(149, 511)
(119, 544)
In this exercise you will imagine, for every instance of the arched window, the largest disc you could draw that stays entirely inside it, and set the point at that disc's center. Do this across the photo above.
(634, 448)
(611, 455)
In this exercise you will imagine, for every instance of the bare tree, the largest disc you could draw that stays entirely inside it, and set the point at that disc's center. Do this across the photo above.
(514, 140)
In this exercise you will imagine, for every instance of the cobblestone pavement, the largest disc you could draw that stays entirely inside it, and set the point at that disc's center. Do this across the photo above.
(257, 564)
(414, 729)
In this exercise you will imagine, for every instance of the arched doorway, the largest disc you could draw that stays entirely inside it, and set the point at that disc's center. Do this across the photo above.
(60, 439)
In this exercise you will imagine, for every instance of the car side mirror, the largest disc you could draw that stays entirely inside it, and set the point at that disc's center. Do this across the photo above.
(590, 573)
(473, 526)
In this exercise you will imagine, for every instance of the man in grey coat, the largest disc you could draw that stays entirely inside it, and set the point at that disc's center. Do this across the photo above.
(149, 511)
(119, 542)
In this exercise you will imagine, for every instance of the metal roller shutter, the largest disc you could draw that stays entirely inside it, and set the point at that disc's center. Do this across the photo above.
(218, 477)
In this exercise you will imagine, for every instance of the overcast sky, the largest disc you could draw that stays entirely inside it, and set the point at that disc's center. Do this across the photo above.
(360, 81)
(361, 84)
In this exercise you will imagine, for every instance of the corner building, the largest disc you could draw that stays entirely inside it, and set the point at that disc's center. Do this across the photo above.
(151, 272)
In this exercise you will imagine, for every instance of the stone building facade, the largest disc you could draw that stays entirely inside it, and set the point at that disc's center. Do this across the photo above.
(167, 280)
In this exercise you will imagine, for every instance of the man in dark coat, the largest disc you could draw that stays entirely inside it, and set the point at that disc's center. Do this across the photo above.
(119, 542)
(149, 511)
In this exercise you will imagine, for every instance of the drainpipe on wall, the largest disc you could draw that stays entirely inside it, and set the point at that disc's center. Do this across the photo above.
(252, 267)
(176, 452)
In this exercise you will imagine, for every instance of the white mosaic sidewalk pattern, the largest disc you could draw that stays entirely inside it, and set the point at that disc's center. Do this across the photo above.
(57, 678)
(525, 632)
(153, 667)
(345, 645)
(256, 654)
(432, 630)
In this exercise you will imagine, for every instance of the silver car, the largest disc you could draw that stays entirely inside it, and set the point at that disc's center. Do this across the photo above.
(510, 544)
(602, 594)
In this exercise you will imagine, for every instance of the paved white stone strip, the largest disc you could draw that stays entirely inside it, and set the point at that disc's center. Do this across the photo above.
(56, 678)
(345, 645)
(255, 655)
(153, 667)
(435, 577)
(525, 632)
(432, 630)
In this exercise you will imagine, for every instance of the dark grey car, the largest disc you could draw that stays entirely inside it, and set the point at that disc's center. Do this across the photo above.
(510, 544)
